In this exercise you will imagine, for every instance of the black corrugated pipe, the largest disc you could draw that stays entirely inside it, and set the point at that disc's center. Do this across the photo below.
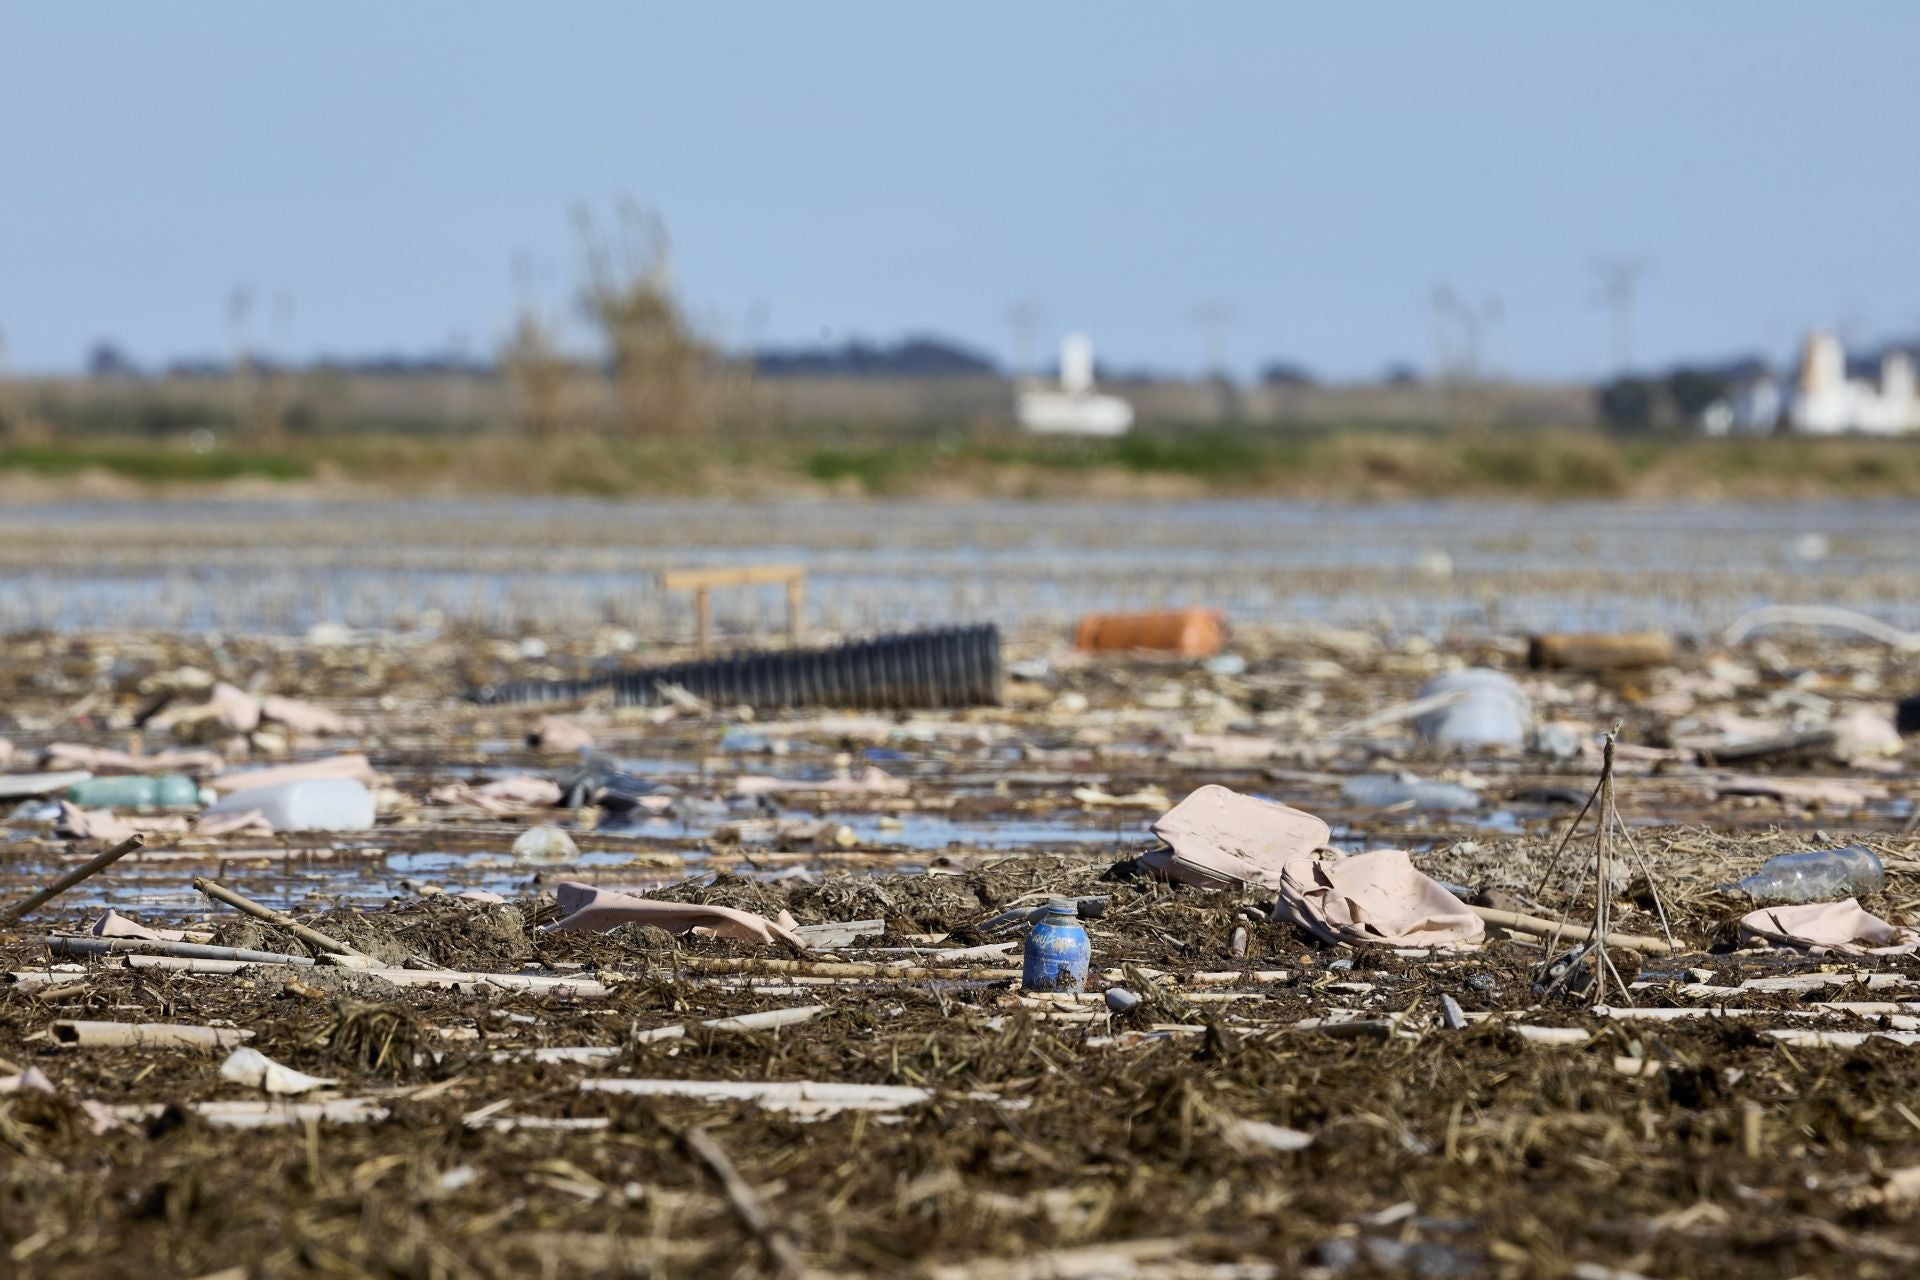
(951, 667)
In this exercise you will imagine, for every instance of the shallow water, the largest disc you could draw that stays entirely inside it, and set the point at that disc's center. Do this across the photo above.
(537, 565)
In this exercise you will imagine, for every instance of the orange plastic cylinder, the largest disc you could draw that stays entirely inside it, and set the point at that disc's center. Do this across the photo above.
(1196, 633)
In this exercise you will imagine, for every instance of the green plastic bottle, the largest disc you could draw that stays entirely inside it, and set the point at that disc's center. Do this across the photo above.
(168, 791)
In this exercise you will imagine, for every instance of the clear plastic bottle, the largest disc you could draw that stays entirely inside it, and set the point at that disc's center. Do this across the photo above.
(1385, 790)
(1820, 875)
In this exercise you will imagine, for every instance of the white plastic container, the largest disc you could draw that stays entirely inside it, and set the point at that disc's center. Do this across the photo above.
(313, 804)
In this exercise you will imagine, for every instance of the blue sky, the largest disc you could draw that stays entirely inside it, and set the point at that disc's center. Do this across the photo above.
(370, 172)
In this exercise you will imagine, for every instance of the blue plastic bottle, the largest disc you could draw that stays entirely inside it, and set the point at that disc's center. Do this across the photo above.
(1057, 950)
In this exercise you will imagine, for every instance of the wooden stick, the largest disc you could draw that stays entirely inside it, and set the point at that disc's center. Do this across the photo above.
(829, 969)
(148, 1035)
(1542, 928)
(1550, 1035)
(1120, 1258)
(1602, 870)
(93, 866)
(1795, 1038)
(240, 902)
(179, 964)
(1214, 978)
(1553, 863)
(816, 1097)
(241, 1113)
(819, 974)
(767, 1020)
(34, 979)
(1394, 715)
(770, 1019)
(1069, 999)
(746, 1202)
(61, 945)
(487, 983)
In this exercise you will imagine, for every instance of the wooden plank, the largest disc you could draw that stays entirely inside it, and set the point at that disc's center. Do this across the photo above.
(736, 575)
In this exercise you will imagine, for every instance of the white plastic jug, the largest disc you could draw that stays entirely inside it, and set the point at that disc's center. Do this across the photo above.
(1491, 711)
(313, 804)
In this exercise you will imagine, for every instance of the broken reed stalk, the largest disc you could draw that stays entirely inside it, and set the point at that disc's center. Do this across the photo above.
(1602, 890)
(746, 1202)
(93, 866)
(64, 946)
(1566, 838)
(1653, 885)
(831, 969)
(1601, 935)
(1541, 927)
(1405, 711)
(240, 902)
(1611, 821)
(147, 1035)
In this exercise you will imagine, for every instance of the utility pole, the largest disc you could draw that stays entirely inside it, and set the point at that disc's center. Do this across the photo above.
(1023, 318)
(1460, 332)
(1619, 278)
(1214, 317)
(8, 427)
(239, 318)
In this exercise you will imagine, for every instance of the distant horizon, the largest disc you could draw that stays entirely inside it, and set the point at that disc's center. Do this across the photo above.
(1530, 194)
(447, 360)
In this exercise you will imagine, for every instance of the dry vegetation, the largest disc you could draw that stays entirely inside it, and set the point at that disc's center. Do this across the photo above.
(1221, 1130)
(558, 455)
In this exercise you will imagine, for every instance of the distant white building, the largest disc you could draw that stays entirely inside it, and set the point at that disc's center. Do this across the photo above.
(1826, 402)
(1751, 409)
(1823, 400)
(1075, 408)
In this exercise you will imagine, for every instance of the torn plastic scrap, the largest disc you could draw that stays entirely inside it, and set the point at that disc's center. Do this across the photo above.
(1843, 926)
(590, 907)
(1374, 897)
(256, 1070)
(1218, 838)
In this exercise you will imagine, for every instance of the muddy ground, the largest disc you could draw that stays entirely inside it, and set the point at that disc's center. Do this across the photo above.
(1296, 1106)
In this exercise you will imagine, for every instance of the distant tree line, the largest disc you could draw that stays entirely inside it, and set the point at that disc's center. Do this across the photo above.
(918, 357)
(914, 357)
(1676, 398)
